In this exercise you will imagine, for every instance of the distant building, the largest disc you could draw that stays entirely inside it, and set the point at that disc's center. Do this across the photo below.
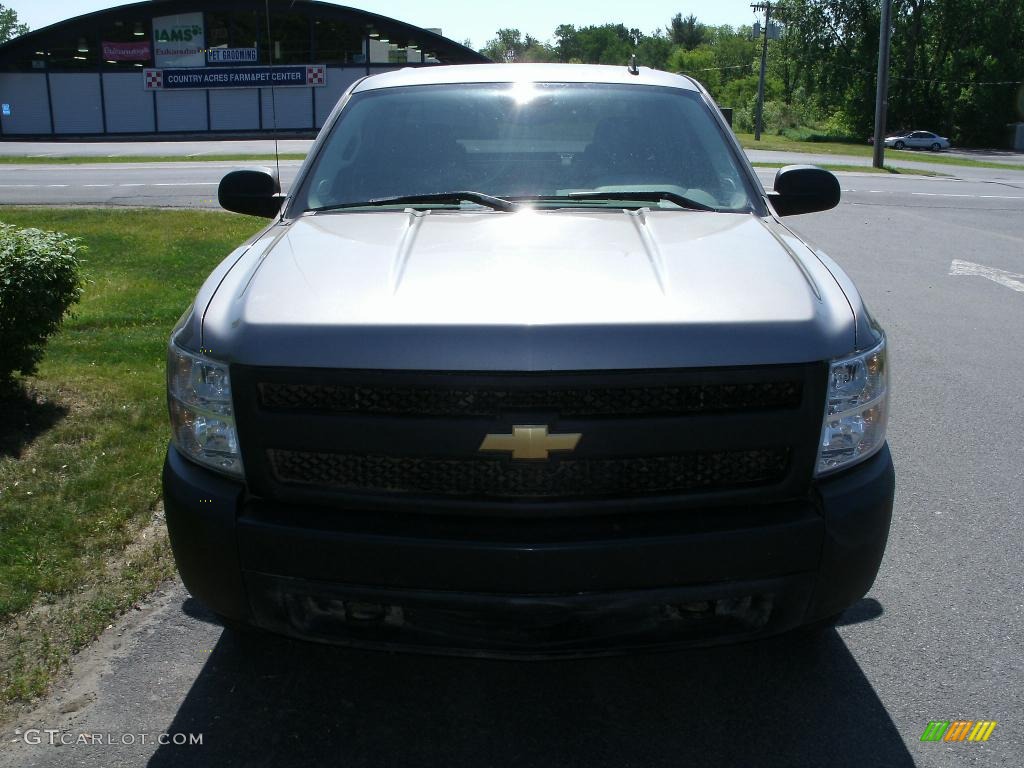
(202, 66)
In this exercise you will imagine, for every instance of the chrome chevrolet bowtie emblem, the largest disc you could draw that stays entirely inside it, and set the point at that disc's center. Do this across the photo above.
(527, 442)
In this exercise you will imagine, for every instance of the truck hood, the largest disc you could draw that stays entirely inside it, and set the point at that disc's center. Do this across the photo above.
(534, 290)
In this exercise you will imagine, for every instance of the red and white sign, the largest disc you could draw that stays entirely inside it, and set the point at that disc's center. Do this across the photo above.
(316, 74)
(154, 79)
(135, 51)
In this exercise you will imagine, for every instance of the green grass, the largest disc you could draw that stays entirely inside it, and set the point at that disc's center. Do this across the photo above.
(81, 450)
(785, 144)
(86, 159)
(861, 169)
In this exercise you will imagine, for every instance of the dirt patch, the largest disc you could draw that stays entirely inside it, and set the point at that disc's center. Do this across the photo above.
(37, 644)
(72, 696)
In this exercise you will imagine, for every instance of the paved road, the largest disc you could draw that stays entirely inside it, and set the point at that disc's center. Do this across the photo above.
(914, 160)
(184, 149)
(938, 638)
(194, 184)
(266, 145)
(175, 185)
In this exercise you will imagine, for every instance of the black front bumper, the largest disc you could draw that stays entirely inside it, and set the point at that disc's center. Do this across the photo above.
(528, 587)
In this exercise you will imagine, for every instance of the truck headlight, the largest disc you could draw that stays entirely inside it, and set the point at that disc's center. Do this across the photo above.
(202, 415)
(857, 410)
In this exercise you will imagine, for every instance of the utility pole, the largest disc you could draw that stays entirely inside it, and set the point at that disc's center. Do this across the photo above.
(767, 8)
(882, 96)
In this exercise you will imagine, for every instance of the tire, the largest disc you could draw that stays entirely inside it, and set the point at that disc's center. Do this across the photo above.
(936, 147)
(899, 145)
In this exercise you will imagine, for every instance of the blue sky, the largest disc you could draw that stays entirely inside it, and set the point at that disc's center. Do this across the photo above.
(473, 19)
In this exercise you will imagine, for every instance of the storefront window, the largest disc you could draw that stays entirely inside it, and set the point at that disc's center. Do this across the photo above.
(396, 55)
(218, 30)
(126, 44)
(290, 38)
(24, 57)
(338, 43)
(73, 49)
(245, 32)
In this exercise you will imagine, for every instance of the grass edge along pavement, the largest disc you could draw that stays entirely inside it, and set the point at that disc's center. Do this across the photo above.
(81, 445)
(770, 143)
(785, 144)
(888, 169)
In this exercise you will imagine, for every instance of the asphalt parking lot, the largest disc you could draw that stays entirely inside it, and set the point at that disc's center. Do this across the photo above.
(939, 637)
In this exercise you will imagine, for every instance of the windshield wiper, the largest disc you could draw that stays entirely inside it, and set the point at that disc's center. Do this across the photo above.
(644, 196)
(451, 198)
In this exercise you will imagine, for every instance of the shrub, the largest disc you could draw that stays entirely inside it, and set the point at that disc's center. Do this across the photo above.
(40, 279)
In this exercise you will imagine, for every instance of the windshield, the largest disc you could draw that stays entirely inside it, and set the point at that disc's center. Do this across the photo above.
(547, 142)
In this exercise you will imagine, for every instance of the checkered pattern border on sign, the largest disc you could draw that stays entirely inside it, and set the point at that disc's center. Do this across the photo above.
(154, 78)
(316, 75)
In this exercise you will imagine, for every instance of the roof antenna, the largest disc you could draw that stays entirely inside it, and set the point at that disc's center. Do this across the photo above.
(273, 94)
(633, 68)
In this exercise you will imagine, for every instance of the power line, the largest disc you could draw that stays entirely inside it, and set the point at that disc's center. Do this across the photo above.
(717, 69)
(933, 80)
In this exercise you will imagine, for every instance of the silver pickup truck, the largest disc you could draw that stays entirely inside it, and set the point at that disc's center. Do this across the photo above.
(526, 364)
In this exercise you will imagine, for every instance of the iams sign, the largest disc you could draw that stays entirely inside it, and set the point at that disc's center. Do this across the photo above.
(179, 34)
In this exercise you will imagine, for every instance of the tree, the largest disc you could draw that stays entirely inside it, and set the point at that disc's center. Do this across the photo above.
(606, 44)
(687, 32)
(698, 63)
(654, 51)
(9, 26)
(956, 64)
(522, 49)
(506, 42)
(567, 44)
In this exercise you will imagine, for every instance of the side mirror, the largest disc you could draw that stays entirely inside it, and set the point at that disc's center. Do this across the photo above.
(804, 189)
(254, 191)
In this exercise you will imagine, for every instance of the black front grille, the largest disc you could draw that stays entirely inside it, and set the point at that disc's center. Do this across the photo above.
(575, 402)
(411, 440)
(504, 479)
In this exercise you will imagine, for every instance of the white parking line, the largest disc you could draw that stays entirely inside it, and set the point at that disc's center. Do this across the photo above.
(105, 186)
(934, 194)
(1011, 280)
(975, 197)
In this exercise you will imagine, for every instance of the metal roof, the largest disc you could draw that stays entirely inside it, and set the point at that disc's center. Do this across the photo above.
(442, 47)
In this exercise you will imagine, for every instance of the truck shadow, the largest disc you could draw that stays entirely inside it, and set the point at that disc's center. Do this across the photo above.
(263, 700)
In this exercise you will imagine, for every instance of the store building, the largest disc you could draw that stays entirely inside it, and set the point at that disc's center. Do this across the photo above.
(202, 67)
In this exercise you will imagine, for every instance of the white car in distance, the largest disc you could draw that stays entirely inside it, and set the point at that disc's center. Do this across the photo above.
(918, 140)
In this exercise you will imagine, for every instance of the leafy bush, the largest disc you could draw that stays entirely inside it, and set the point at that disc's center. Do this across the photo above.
(40, 278)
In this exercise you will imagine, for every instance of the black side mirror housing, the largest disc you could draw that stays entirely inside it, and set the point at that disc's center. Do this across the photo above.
(253, 191)
(804, 189)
